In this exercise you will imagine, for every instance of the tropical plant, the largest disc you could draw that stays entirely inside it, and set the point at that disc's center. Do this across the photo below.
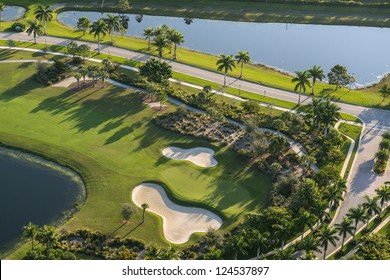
(128, 211)
(344, 228)
(156, 71)
(225, 63)
(383, 193)
(31, 231)
(371, 207)
(333, 194)
(148, 34)
(77, 76)
(339, 76)
(160, 42)
(242, 58)
(170, 253)
(327, 235)
(161, 97)
(43, 13)
(84, 51)
(260, 241)
(47, 236)
(315, 73)
(305, 219)
(152, 252)
(357, 215)
(310, 244)
(278, 146)
(83, 24)
(144, 207)
(282, 231)
(329, 114)
(301, 80)
(284, 254)
(236, 244)
(84, 72)
(176, 38)
(99, 28)
(35, 28)
(113, 25)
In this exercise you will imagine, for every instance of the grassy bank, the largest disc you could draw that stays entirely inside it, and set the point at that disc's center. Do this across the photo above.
(106, 135)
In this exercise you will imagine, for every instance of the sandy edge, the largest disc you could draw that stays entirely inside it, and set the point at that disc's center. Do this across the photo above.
(203, 157)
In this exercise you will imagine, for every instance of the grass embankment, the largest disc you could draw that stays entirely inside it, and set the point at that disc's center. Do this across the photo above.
(254, 73)
(106, 135)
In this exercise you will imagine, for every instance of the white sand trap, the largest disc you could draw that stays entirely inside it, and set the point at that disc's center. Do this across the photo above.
(68, 82)
(203, 157)
(179, 222)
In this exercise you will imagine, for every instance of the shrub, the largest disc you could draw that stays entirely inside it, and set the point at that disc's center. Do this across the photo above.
(18, 26)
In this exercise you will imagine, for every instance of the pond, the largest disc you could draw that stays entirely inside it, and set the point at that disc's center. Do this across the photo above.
(33, 189)
(290, 47)
(12, 13)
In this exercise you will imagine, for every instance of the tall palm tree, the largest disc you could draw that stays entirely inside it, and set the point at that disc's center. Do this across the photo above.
(48, 237)
(176, 38)
(153, 252)
(344, 228)
(35, 28)
(314, 110)
(43, 13)
(237, 244)
(160, 42)
(30, 231)
(259, 240)
(225, 63)
(333, 194)
(319, 209)
(305, 219)
(327, 235)
(99, 28)
(148, 34)
(302, 80)
(329, 114)
(316, 73)
(284, 254)
(383, 193)
(357, 214)
(371, 207)
(309, 244)
(113, 25)
(144, 207)
(170, 253)
(2, 8)
(242, 57)
(282, 231)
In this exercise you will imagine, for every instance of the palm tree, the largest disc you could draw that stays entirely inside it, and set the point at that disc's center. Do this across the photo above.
(309, 244)
(30, 231)
(77, 76)
(282, 231)
(329, 114)
(153, 252)
(242, 57)
(113, 25)
(301, 80)
(305, 219)
(319, 208)
(285, 254)
(48, 237)
(148, 34)
(2, 8)
(99, 28)
(43, 13)
(171, 253)
(260, 240)
(176, 38)
(357, 214)
(344, 228)
(371, 207)
(144, 207)
(315, 111)
(327, 235)
(34, 28)
(160, 42)
(237, 244)
(83, 72)
(225, 63)
(383, 193)
(316, 73)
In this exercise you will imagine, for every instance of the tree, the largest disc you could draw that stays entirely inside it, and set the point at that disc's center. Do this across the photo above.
(34, 28)
(242, 58)
(113, 25)
(109, 65)
(144, 207)
(327, 235)
(305, 219)
(128, 211)
(383, 193)
(148, 34)
(11, 44)
(98, 28)
(357, 215)
(282, 230)
(156, 71)
(237, 244)
(329, 114)
(260, 241)
(123, 6)
(315, 73)
(2, 8)
(153, 252)
(161, 97)
(30, 231)
(72, 48)
(385, 91)
(225, 63)
(374, 247)
(176, 38)
(83, 24)
(319, 209)
(103, 76)
(309, 244)
(77, 76)
(344, 228)
(83, 72)
(278, 146)
(284, 254)
(371, 207)
(333, 194)
(302, 80)
(43, 13)
(84, 51)
(338, 76)
(160, 42)
(170, 253)
(48, 237)
(279, 125)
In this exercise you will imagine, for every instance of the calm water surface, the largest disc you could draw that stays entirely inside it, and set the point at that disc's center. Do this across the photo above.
(291, 47)
(12, 13)
(32, 189)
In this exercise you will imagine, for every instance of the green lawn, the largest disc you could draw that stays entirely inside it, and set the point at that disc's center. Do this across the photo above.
(107, 136)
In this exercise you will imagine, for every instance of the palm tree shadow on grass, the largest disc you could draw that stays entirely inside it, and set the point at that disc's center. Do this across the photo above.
(21, 89)
(133, 229)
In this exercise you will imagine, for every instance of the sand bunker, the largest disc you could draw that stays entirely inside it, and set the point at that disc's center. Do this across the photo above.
(203, 157)
(179, 222)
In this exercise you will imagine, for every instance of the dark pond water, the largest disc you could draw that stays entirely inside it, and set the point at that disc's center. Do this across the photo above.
(33, 189)
(291, 47)
(12, 13)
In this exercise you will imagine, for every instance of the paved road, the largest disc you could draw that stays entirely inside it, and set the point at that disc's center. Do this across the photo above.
(361, 181)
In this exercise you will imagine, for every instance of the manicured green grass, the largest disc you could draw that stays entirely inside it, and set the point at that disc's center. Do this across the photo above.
(107, 136)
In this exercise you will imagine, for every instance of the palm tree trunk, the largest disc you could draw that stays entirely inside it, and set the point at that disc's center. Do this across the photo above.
(299, 98)
(235, 255)
(44, 27)
(149, 44)
(112, 39)
(342, 243)
(35, 38)
(98, 43)
(242, 66)
(258, 253)
(325, 249)
(312, 89)
(32, 242)
(303, 233)
(174, 52)
(354, 232)
(224, 79)
(282, 244)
